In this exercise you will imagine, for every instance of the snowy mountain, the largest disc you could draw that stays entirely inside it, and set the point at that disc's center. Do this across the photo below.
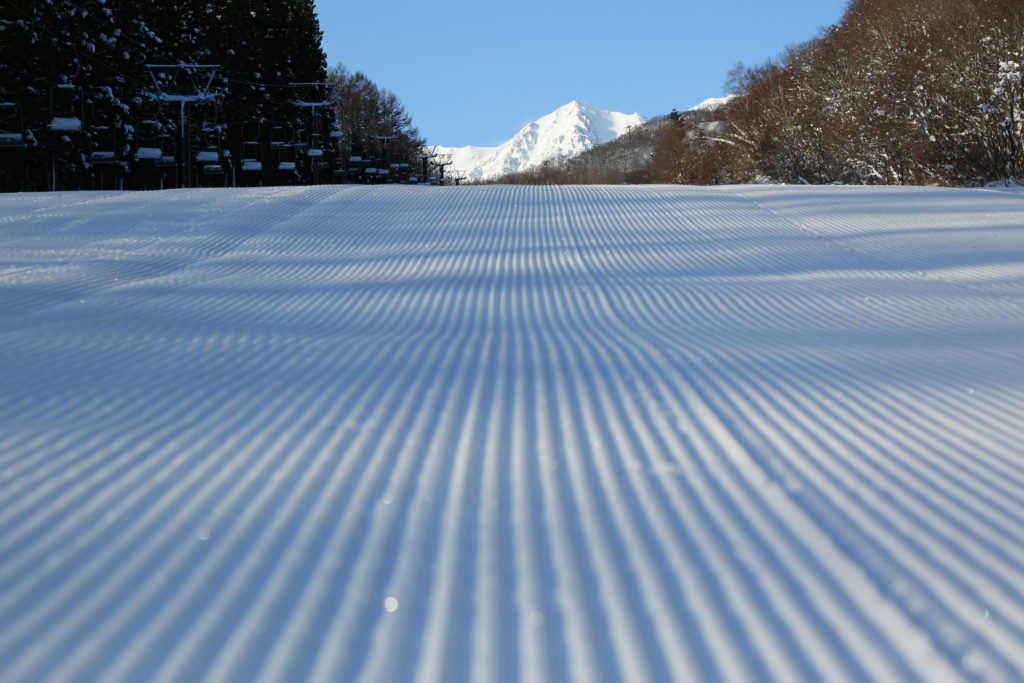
(562, 134)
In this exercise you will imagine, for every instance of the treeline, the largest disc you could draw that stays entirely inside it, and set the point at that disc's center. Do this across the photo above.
(376, 133)
(148, 94)
(898, 92)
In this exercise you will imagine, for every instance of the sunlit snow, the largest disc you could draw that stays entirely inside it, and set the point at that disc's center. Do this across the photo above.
(512, 433)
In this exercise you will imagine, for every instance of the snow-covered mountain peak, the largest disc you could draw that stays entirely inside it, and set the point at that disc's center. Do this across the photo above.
(564, 133)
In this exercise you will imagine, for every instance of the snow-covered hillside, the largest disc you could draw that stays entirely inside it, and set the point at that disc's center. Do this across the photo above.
(512, 433)
(712, 103)
(562, 134)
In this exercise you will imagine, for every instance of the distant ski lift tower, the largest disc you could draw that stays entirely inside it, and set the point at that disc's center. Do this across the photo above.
(443, 160)
(313, 96)
(385, 163)
(184, 84)
(425, 156)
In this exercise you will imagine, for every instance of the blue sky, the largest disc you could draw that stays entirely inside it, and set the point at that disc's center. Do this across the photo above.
(473, 72)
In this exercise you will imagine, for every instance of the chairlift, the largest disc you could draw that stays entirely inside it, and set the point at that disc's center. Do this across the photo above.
(426, 157)
(105, 145)
(357, 163)
(282, 147)
(252, 155)
(316, 146)
(250, 152)
(302, 141)
(12, 126)
(317, 155)
(153, 140)
(14, 142)
(154, 157)
(149, 140)
(67, 107)
(168, 141)
(210, 155)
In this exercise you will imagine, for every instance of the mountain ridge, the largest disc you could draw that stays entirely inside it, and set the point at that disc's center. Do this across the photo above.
(554, 137)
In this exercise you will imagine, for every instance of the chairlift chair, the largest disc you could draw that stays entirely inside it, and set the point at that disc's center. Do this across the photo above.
(148, 141)
(67, 109)
(210, 159)
(317, 157)
(168, 141)
(14, 171)
(252, 156)
(210, 156)
(151, 158)
(105, 148)
(105, 145)
(154, 141)
(12, 126)
(282, 147)
(250, 153)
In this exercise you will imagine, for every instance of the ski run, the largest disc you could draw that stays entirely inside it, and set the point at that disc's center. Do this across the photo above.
(512, 433)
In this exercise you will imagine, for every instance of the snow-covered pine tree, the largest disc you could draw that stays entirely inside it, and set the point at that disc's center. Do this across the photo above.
(85, 105)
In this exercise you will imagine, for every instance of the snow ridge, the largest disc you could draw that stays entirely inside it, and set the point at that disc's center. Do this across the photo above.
(560, 135)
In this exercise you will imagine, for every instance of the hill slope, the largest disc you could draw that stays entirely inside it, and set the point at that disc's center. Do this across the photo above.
(594, 433)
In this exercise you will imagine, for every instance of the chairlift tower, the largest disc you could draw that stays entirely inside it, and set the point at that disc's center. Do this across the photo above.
(443, 160)
(308, 97)
(384, 161)
(425, 156)
(191, 83)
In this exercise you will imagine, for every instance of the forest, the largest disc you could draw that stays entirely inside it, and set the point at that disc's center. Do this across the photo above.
(112, 94)
(898, 92)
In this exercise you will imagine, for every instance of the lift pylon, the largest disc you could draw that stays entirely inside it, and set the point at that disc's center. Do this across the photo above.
(185, 84)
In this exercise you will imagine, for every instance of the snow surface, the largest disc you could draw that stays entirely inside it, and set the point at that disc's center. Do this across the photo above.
(713, 103)
(557, 136)
(590, 433)
(66, 124)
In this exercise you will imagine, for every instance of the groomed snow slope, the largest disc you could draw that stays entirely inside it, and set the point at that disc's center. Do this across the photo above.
(522, 433)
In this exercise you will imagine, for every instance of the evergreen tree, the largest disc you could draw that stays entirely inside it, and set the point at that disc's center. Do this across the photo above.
(79, 108)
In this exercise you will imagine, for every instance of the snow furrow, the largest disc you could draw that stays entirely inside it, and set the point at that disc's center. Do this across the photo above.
(512, 433)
